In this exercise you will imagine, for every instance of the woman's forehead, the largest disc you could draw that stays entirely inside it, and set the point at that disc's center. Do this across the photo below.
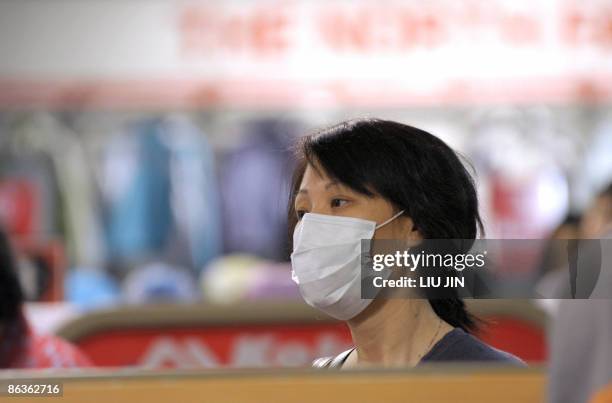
(316, 177)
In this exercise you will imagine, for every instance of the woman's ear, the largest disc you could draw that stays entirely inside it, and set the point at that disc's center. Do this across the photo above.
(411, 233)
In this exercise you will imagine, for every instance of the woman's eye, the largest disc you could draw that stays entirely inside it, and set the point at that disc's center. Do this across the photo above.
(338, 202)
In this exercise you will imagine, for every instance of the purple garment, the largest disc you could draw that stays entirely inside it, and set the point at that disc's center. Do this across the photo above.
(255, 187)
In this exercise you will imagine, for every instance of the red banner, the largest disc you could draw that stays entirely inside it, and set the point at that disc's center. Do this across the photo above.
(274, 345)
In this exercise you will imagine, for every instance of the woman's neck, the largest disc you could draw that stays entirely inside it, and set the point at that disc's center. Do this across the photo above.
(395, 332)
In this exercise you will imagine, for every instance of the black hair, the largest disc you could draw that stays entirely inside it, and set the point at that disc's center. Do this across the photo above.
(571, 218)
(416, 171)
(11, 295)
(606, 191)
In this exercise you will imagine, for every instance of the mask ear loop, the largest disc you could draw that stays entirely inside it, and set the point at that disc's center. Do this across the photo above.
(389, 220)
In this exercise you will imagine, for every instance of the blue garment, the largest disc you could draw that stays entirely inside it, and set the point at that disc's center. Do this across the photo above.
(162, 196)
(139, 216)
(195, 191)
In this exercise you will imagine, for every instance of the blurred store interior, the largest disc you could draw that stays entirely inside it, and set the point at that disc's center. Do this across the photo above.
(147, 154)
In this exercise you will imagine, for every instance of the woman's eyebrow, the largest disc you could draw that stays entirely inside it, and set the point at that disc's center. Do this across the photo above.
(331, 184)
(327, 186)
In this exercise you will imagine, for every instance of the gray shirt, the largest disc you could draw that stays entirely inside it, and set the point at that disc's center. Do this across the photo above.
(581, 341)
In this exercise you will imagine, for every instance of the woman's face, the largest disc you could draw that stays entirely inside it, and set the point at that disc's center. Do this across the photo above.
(321, 195)
(597, 220)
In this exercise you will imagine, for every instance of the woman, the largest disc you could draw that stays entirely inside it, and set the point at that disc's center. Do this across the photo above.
(376, 179)
(20, 346)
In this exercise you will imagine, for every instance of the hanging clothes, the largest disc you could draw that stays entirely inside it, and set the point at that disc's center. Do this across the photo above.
(43, 161)
(255, 180)
(136, 189)
(524, 191)
(161, 196)
(195, 195)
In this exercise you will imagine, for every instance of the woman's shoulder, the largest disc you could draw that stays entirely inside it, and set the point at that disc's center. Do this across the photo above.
(458, 345)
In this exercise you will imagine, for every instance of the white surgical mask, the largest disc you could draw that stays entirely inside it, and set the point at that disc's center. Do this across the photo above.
(326, 262)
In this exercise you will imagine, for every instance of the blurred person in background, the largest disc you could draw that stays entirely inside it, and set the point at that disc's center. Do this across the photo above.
(560, 261)
(20, 345)
(597, 219)
(554, 263)
(376, 179)
(581, 332)
(555, 257)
